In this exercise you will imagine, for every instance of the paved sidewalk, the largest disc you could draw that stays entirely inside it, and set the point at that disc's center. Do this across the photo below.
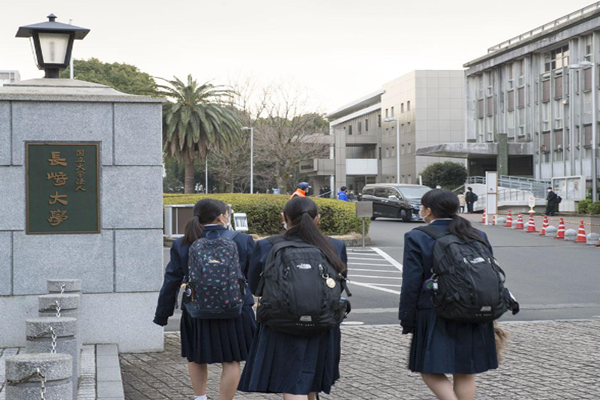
(550, 360)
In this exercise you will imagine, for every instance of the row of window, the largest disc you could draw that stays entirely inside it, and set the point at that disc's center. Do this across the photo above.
(387, 113)
(403, 150)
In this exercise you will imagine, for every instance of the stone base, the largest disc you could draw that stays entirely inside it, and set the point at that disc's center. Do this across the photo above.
(121, 318)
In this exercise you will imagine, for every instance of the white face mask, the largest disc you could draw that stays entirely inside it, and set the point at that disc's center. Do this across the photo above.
(549, 190)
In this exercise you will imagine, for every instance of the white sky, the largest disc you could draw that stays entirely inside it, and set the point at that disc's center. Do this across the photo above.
(335, 50)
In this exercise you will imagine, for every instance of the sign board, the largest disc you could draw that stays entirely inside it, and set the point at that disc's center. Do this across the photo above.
(364, 209)
(570, 187)
(62, 188)
(531, 201)
(491, 198)
(240, 221)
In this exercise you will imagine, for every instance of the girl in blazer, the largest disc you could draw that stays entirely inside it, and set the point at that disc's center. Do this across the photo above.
(297, 366)
(208, 341)
(441, 346)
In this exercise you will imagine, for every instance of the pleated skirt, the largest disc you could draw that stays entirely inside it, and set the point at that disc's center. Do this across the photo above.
(209, 341)
(283, 363)
(441, 346)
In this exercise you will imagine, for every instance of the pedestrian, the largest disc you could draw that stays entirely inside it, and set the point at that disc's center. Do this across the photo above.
(462, 202)
(441, 346)
(301, 191)
(342, 194)
(552, 199)
(299, 366)
(470, 198)
(208, 341)
(359, 197)
(351, 195)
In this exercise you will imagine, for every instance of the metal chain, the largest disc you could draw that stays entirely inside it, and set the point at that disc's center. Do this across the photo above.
(57, 308)
(53, 349)
(62, 289)
(39, 374)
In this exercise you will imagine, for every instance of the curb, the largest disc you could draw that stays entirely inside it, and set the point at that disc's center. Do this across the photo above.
(108, 373)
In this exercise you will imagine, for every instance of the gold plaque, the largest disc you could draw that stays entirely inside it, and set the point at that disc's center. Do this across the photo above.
(330, 282)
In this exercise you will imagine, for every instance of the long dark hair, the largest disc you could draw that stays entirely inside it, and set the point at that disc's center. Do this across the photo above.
(205, 212)
(301, 212)
(444, 204)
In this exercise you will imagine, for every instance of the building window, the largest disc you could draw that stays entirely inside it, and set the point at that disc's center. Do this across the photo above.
(387, 152)
(510, 96)
(408, 127)
(587, 135)
(408, 149)
(402, 149)
(558, 87)
(490, 106)
(392, 111)
(408, 106)
(349, 129)
(402, 128)
(558, 140)
(546, 90)
(556, 59)
(366, 125)
(480, 108)
(379, 120)
(521, 97)
(587, 79)
(386, 113)
(401, 108)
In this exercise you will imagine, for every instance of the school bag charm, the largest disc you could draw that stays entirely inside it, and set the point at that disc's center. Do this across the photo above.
(214, 286)
(300, 290)
(467, 281)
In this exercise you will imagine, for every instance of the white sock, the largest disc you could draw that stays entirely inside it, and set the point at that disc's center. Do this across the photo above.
(203, 397)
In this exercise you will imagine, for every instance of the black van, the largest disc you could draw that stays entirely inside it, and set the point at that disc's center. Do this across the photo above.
(393, 200)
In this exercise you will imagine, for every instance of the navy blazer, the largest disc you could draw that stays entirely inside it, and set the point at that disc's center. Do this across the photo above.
(178, 268)
(417, 268)
(263, 247)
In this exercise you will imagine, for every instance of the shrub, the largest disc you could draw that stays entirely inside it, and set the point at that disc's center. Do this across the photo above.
(447, 174)
(594, 208)
(583, 207)
(264, 211)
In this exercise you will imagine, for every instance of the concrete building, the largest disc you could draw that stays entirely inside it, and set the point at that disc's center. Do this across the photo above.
(7, 76)
(425, 108)
(532, 103)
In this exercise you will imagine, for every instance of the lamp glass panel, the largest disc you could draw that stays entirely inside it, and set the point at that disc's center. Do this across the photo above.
(54, 47)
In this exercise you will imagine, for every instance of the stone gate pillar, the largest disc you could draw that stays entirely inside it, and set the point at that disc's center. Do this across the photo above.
(81, 175)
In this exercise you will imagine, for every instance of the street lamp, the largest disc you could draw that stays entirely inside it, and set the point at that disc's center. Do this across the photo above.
(594, 125)
(397, 146)
(53, 43)
(251, 129)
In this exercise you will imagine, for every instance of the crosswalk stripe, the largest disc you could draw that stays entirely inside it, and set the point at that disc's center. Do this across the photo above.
(376, 265)
(371, 276)
(388, 258)
(375, 270)
(371, 286)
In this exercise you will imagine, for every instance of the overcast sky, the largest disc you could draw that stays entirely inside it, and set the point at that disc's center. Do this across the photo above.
(335, 50)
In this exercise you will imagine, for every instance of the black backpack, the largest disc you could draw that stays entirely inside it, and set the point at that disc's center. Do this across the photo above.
(300, 290)
(467, 281)
(558, 199)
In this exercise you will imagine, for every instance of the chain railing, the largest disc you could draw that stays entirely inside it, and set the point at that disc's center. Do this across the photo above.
(36, 374)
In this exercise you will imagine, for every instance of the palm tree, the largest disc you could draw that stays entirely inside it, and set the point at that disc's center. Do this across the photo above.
(196, 120)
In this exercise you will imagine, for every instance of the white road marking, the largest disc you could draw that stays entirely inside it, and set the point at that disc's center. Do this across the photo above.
(388, 258)
(371, 276)
(396, 292)
(352, 323)
(373, 270)
(358, 258)
(375, 265)
(387, 285)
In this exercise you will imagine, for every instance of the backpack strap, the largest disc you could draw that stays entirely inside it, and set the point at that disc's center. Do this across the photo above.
(222, 234)
(432, 231)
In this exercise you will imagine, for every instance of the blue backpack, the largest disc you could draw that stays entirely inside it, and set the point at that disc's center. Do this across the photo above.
(214, 287)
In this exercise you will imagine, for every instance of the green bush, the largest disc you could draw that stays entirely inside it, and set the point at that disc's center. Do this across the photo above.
(264, 211)
(594, 208)
(583, 207)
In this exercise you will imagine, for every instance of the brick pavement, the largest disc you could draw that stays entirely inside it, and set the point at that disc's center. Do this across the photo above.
(550, 360)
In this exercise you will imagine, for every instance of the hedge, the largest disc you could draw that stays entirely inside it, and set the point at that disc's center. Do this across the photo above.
(264, 211)
(587, 207)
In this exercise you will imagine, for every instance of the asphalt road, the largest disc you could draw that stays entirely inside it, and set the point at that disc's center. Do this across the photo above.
(552, 279)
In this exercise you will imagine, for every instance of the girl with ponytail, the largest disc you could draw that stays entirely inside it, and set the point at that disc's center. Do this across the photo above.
(297, 366)
(440, 346)
(208, 341)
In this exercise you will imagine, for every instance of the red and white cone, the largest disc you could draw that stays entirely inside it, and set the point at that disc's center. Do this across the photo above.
(484, 216)
(581, 236)
(544, 226)
(560, 234)
(508, 223)
(531, 224)
(494, 221)
(520, 222)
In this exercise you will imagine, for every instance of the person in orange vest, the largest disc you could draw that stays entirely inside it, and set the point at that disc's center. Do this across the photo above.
(301, 191)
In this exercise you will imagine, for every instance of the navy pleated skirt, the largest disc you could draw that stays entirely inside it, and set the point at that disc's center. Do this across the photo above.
(283, 363)
(208, 341)
(441, 346)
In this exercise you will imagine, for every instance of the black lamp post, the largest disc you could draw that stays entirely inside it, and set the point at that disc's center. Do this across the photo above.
(53, 43)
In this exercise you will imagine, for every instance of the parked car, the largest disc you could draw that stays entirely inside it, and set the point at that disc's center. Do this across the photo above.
(395, 200)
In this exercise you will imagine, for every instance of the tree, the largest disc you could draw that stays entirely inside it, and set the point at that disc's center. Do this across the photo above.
(447, 174)
(196, 120)
(125, 78)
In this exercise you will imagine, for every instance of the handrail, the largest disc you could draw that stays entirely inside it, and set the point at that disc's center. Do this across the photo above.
(545, 27)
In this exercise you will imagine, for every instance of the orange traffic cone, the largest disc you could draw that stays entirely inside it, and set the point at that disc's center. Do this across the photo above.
(544, 226)
(520, 221)
(560, 234)
(581, 236)
(494, 221)
(483, 217)
(531, 224)
(508, 223)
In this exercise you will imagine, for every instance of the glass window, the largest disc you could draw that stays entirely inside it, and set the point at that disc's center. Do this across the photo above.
(480, 108)
(359, 127)
(349, 129)
(558, 139)
(402, 128)
(402, 108)
(392, 111)
(490, 106)
(546, 90)
(587, 135)
(408, 127)
(413, 192)
(558, 87)
(408, 106)
(521, 97)
(408, 149)
(587, 79)
(366, 125)
(510, 95)
(386, 113)
(379, 120)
